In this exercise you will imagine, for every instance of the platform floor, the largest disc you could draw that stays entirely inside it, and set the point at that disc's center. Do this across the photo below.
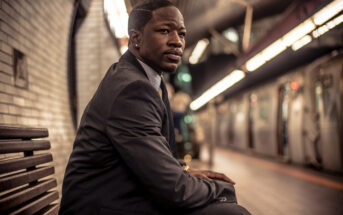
(266, 187)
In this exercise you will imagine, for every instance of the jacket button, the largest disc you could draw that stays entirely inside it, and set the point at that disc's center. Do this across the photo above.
(222, 199)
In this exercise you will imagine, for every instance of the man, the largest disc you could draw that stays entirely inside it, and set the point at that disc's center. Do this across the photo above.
(122, 161)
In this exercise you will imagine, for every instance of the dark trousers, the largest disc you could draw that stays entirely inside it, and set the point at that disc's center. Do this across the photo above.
(217, 208)
(220, 209)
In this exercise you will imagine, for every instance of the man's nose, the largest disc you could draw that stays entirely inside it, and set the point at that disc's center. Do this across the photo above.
(175, 39)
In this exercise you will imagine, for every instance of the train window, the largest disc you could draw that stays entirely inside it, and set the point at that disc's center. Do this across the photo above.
(252, 106)
(264, 107)
(323, 94)
(240, 106)
(326, 80)
(233, 108)
(253, 99)
(231, 123)
(318, 96)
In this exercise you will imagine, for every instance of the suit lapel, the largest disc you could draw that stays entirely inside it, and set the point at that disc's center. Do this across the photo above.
(170, 119)
(167, 124)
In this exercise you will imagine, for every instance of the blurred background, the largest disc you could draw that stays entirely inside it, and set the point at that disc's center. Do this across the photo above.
(258, 94)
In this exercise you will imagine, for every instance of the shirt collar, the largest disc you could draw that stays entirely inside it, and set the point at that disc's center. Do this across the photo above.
(153, 76)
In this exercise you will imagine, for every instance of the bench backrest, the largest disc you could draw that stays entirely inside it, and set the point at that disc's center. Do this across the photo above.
(25, 178)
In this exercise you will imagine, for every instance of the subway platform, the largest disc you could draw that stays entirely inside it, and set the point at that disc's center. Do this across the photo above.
(267, 187)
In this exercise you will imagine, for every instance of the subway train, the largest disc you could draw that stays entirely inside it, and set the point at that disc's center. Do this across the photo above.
(295, 118)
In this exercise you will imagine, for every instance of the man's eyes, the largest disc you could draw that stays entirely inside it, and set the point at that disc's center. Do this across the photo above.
(182, 34)
(164, 31)
(167, 31)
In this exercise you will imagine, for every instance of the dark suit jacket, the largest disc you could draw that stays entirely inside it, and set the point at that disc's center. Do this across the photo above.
(121, 161)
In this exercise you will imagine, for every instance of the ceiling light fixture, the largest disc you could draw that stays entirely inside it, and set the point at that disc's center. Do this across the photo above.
(117, 17)
(198, 51)
(302, 42)
(296, 38)
(297, 34)
(218, 88)
(328, 26)
(328, 12)
(231, 35)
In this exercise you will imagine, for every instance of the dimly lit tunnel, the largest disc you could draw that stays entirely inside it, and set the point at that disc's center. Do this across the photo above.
(256, 96)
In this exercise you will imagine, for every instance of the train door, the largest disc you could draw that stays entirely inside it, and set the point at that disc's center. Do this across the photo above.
(231, 123)
(251, 110)
(295, 123)
(222, 118)
(283, 107)
(318, 90)
(205, 137)
(328, 107)
(240, 126)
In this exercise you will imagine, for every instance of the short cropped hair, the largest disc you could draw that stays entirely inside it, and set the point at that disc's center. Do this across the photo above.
(142, 13)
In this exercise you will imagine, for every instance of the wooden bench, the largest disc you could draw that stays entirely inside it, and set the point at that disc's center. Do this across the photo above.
(25, 178)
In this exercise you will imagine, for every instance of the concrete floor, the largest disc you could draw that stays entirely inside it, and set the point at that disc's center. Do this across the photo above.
(266, 187)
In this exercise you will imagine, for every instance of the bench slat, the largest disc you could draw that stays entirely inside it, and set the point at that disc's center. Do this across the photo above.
(22, 190)
(18, 179)
(11, 132)
(23, 146)
(17, 197)
(25, 162)
(39, 204)
(49, 210)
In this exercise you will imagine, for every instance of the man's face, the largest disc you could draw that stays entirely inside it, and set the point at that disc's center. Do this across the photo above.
(163, 39)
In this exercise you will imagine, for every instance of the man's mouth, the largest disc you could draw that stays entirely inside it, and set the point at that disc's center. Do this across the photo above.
(173, 55)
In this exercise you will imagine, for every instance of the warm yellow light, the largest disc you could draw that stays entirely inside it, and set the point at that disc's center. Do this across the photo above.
(338, 20)
(123, 49)
(198, 50)
(296, 38)
(117, 16)
(255, 62)
(328, 12)
(323, 29)
(272, 50)
(218, 88)
(302, 42)
(267, 54)
(279, 45)
(328, 26)
(298, 32)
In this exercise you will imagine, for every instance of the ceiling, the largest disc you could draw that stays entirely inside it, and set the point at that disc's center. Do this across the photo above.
(271, 19)
(201, 15)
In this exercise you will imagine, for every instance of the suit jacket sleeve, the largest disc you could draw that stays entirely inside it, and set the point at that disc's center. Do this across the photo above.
(134, 127)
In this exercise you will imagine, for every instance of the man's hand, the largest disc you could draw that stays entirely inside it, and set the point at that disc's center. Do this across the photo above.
(208, 175)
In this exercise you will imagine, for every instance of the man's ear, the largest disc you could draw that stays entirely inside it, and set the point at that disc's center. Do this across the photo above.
(135, 38)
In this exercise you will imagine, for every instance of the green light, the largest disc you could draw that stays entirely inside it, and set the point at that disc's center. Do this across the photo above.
(188, 119)
(179, 76)
(186, 77)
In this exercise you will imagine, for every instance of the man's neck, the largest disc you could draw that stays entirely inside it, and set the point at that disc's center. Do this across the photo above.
(136, 54)
(153, 76)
